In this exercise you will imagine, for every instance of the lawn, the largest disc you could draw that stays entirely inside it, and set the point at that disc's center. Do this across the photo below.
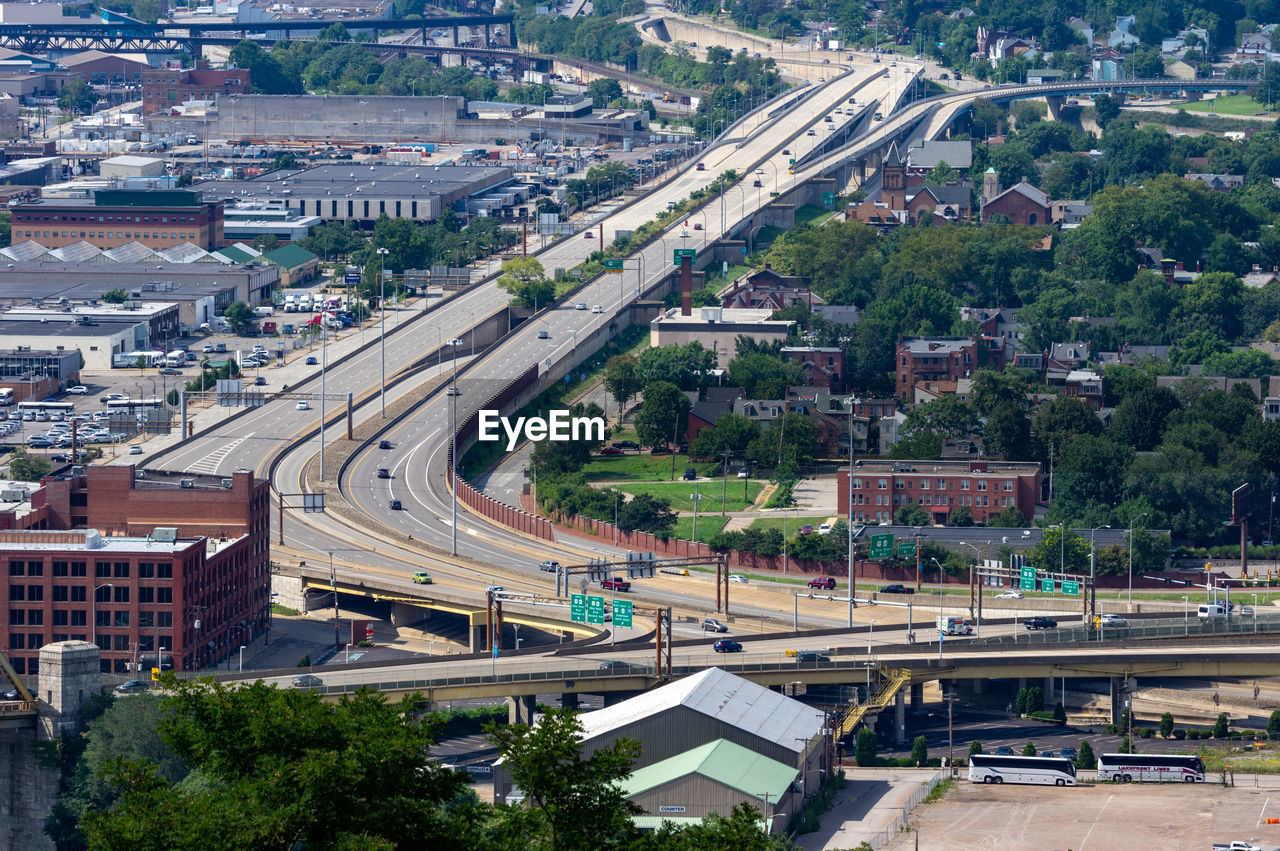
(793, 521)
(811, 215)
(708, 525)
(1228, 105)
(641, 468)
(681, 493)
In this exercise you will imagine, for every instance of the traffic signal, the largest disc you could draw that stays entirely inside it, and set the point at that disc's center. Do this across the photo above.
(1208, 566)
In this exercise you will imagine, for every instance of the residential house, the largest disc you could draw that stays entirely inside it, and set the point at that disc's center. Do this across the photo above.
(823, 365)
(1021, 204)
(1069, 214)
(1108, 66)
(893, 178)
(1121, 37)
(1271, 409)
(1082, 28)
(986, 488)
(1260, 277)
(878, 216)
(833, 420)
(763, 411)
(840, 314)
(769, 290)
(1085, 385)
(925, 359)
(930, 391)
(874, 408)
(951, 202)
(924, 157)
(1218, 182)
(996, 323)
(1070, 354)
(714, 402)
(1215, 382)
(962, 13)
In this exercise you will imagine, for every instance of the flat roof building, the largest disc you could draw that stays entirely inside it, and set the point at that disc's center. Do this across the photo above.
(158, 219)
(96, 341)
(166, 88)
(717, 329)
(986, 488)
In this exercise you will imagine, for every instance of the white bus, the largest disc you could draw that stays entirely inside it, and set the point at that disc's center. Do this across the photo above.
(1052, 771)
(63, 408)
(1160, 768)
(133, 406)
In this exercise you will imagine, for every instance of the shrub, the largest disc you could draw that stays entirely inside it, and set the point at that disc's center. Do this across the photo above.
(864, 748)
(975, 747)
(1166, 724)
(1220, 726)
(1085, 759)
(920, 751)
(1029, 749)
(1147, 733)
(1179, 734)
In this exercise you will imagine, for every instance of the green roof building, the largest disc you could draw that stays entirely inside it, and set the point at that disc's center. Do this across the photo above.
(297, 265)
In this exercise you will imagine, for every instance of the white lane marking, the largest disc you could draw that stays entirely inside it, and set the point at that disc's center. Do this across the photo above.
(1095, 822)
(1264, 809)
(209, 464)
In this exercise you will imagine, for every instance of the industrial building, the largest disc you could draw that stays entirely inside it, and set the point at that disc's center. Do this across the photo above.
(157, 219)
(717, 329)
(166, 88)
(141, 563)
(163, 318)
(131, 167)
(246, 222)
(97, 341)
(38, 373)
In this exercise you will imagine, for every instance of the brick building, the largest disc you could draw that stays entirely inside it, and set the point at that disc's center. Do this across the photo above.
(159, 219)
(769, 290)
(823, 365)
(986, 488)
(136, 561)
(166, 88)
(1021, 204)
(931, 359)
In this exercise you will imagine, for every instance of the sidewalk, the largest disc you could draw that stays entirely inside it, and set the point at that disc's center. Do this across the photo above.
(870, 803)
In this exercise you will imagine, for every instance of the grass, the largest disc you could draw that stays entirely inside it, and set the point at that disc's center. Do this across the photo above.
(640, 468)
(767, 235)
(1228, 105)
(277, 609)
(936, 793)
(793, 521)
(708, 525)
(680, 494)
(811, 215)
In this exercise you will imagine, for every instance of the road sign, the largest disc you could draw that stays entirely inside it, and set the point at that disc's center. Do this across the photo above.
(828, 199)
(595, 609)
(791, 161)
(678, 253)
(881, 546)
(1070, 587)
(614, 266)
(1027, 584)
(351, 279)
(578, 608)
(622, 613)
(1046, 585)
(1028, 573)
(907, 549)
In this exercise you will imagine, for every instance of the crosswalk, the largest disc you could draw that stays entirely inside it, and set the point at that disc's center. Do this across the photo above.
(208, 465)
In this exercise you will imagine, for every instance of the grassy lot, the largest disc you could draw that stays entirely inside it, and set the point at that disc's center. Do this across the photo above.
(680, 494)
(1229, 105)
(708, 525)
(794, 521)
(811, 215)
(641, 468)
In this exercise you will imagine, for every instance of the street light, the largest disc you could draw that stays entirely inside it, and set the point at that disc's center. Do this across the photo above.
(1131, 522)
(453, 447)
(93, 614)
(382, 330)
(241, 658)
(977, 559)
(1186, 617)
(940, 576)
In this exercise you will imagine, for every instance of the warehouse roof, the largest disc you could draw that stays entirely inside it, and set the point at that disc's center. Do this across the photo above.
(722, 761)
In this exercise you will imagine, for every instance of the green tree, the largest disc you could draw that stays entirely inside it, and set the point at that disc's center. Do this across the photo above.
(663, 415)
(1072, 554)
(620, 379)
(975, 747)
(1061, 420)
(1126, 745)
(76, 96)
(688, 367)
(1029, 749)
(25, 467)
(1220, 726)
(920, 751)
(764, 376)
(1035, 699)
(865, 748)
(731, 433)
(912, 514)
(527, 282)
(960, 516)
(1085, 759)
(789, 440)
(1166, 725)
(1020, 702)
(1273, 723)
(1010, 518)
(1007, 433)
(1107, 109)
(1059, 713)
(116, 296)
(603, 90)
(647, 513)
(239, 315)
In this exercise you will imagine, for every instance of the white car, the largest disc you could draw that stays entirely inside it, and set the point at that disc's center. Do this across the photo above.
(1114, 620)
(744, 473)
(582, 305)
(824, 529)
(78, 390)
(595, 308)
(1009, 595)
(303, 405)
(135, 450)
(737, 577)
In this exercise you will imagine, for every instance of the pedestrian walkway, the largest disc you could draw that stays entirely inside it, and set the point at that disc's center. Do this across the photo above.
(868, 809)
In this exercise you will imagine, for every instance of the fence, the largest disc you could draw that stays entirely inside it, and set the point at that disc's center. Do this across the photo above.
(902, 819)
(1149, 628)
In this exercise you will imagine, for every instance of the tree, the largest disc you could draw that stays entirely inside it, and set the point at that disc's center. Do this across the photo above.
(864, 748)
(116, 296)
(576, 800)
(1061, 420)
(1220, 726)
(764, 376)
(1052, 551)
(1126, 745)
(789, 440)
(912, 514)
(920, 751)
(975, 747)
(602, 90)
(620, 379)
(1085, 758)
(239, 315)
(25, 467)
(265, 242)
(1059, 713)
(960, 516)
(1035, 699)
(527, 282)
(1166, 725)
(740, 830)
(663, 415)
(1107, 109)
(76, 96)
(1029, 749)
(262, 751)
(1273, 723)
(647, 513)
(688, 367)
(731, 433)
(1007, 433)
(1010, 518)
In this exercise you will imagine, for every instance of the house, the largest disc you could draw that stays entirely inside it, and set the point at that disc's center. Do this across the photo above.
(1085, 385)
(878, 216)
(834, 422)
(962, 13)
(1214, 382)
(924, 157)
(1271, 408)
(714, 402)
(1082, 28)
(1108, 66)
(763, 411)
(1260, 277)
(1121, 37)
(986, 488)
(1021, 204)
(893, 178)
(767, 289)
(823, 365)
(995, 323)
(1070, 354)
(1069, 214)
(951, 202)
(926, 359)
(1218, 182)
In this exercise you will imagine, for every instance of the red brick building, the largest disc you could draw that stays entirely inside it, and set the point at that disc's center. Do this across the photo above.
(173, 562)
(933, 359)
(157, 218)
(986, 488)
(823, 365)
(1021, 204)
(165, 88)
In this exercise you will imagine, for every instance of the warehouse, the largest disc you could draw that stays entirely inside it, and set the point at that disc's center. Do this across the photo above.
(96, 341)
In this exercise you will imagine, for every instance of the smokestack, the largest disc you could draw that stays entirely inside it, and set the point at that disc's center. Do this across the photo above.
(686, 286)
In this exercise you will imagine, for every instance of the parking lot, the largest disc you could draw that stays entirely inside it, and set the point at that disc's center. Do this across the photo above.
(1100, 816)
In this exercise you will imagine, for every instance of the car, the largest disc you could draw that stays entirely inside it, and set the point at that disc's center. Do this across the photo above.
(713, 625)
(727, 645)
(595, 308)
(259, 382)
(697, 225)
(806, 529)
(896, 588)
(544, 335)
(737, 577)
(626, 444)
(828, 119)
(616, 583)
(307, 681)
(825, 582)
(1004, 750)
(549, 566)
(494, 589)
(944, 76)
(114, 397)
(1040, 622)
(684, 234)
(303, 405)
(702, 167)
(588, 235)
(169, 370)
(395, 505)
(611, 450)
(133, 687)
(744, 473)
(311, 360)
(1113, 620)
(616, 665)
(1009, 595)
(756, 183)
(384, 473)
(689, 474)
(791, 171)
(135, 450)
(824, 529)
(1244, 610)
(786, 152)
(39, 441)
(812, 657)
(811, 133)
(384, 444)
(421, 577)
(1068, 753)
(582, 305)
(78, 390)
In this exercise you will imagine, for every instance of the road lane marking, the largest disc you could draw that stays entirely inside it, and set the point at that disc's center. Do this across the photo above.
(1095, 821)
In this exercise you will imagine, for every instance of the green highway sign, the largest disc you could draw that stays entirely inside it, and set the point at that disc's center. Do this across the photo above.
(1070, 587)
(578, 608)
(595, 609)
(1027, 584)
(1046, 585)
(678, 253)
(622, 613)
(828, 199)
(881, 546)
(907, 549)
(1028, 573)
(613, 266)
(791, 161)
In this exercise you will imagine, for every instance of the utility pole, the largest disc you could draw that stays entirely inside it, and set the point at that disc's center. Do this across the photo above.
(951, 741)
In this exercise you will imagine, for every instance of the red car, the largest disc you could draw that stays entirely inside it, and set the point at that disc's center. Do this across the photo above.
(697, 225)
(806, 529)
(826, 582)
(611, 450)
(617, 583)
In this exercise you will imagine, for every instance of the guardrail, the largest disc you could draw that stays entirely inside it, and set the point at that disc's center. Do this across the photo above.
(1143, 629)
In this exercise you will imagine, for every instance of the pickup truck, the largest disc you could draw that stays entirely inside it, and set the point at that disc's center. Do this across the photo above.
(617, 583)
(896, 588)
(1040, 622)
(827, 582)
(1236, 846)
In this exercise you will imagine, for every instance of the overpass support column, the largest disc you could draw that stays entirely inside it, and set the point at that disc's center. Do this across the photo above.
(569, 700)
(1048, 693)
(917, 698)
(1055, 107)
(1022, 683)
(520, 709)
(899, 717)
(1117, 698)
(979, 685)
(476, 636)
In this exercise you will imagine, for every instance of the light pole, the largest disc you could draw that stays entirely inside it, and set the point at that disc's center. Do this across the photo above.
(977, 559)
(93, 634)
(941, 631)
(324, 368)
(1186, 617)
(382, 330)
(1131, 522)
(242, 658)
(453, 449)
(333, 583)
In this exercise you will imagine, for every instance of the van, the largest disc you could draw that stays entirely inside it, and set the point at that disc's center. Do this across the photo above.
(952, 625)
(1210, 611)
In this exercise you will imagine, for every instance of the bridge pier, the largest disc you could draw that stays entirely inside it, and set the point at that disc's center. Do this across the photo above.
(476, 635)
(1117, 698)
(1055, 106)
(1048, 692)
(979, 686)
(569, 700)
(520, 709)
(404, 614)
(899, 717)
(917, 698)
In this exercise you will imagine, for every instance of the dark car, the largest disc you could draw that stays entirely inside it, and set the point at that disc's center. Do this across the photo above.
(133, 687)
(1047, 754)
(1068, 753)
(615, 665)
(311, 360)
(896, 588)
(806, 529)
(625, 444)
(259, 382)
(827, 582)
(395, 505)
(727, 645)
(168, 370)
(690, 474)
(549, 566)
(1004, 751)
(384, 444)
(611, 450)
(1040, 622)
(384, 473)
(811, 657)
(307, 681)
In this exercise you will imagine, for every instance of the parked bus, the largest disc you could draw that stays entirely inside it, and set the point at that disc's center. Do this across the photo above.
(1051, 771)
(132, 406)
(1161, 768)
(6, 396)
(63, 408)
